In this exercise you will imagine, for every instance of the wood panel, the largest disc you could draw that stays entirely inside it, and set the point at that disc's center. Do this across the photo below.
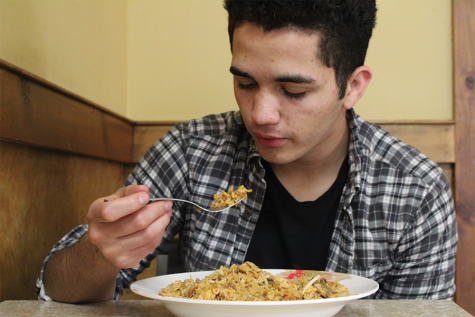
(34, 113)
(464, 98)
(146, 134)
(434, 139)
(43, 195)
(128, 168)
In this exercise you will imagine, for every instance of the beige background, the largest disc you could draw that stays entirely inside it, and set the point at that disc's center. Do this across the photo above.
(169, 59)
(78, 45)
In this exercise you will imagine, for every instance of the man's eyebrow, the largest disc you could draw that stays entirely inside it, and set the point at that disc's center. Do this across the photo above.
(240, 73)
(297, 79)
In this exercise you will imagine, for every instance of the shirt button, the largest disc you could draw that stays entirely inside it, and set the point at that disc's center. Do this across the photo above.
(248, 213)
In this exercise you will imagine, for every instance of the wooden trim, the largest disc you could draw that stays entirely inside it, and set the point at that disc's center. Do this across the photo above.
(156, 123)
(145, 136)
(412, 122)
(464, 102)
(53, 87)
(434, 139)
(33, 112)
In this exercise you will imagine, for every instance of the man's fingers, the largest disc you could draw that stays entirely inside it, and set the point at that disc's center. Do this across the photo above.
(142, 218)
(112, 210)
(128, 251)
(125, 228)
(129, 190)
(132, 258)
(154, 231)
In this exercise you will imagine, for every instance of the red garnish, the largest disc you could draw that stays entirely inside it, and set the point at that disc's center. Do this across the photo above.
(297, 273)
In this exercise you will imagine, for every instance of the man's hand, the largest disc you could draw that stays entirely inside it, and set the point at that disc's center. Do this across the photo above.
(121, 233)
(125, 229)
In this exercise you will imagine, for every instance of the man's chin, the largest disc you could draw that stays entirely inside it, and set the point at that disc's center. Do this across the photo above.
(275, 157)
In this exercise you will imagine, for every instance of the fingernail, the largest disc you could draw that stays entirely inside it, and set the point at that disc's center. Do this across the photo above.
(168, 206)
(142, 199)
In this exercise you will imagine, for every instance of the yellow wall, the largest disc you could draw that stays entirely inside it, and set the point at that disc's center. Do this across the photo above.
(78, 45)
(179, 60)
(411, 57)
(169, 59)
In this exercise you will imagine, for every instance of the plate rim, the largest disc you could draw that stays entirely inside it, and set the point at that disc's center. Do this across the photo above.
(166, 299)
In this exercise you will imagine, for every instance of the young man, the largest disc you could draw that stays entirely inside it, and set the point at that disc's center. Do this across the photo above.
(330, 190)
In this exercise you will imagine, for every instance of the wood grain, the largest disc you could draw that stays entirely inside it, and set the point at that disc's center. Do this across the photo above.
(57, 89)
(127, 169)
(34, 114)
(464, 97)
(145, 135)
(435, 139)
(43, 195)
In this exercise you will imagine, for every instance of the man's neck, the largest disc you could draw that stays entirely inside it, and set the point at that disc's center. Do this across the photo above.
(307, 180)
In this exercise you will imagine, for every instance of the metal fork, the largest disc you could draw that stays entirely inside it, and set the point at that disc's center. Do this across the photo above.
(199, 208)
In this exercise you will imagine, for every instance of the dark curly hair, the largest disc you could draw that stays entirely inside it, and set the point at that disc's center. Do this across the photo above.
(345, 27)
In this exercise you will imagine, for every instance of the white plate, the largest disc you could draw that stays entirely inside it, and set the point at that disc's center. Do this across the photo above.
(358, 287)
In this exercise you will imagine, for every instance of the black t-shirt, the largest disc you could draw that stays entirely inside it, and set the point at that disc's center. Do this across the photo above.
(291, 234)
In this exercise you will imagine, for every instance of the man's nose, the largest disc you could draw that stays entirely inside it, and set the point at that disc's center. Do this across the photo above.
(266, 109)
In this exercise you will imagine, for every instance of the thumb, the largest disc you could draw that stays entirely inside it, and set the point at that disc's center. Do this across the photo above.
(129, 190)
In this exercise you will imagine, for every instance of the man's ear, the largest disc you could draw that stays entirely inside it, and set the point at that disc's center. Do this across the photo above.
(357, 84)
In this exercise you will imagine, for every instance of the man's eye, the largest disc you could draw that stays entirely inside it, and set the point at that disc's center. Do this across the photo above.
(248, 86)
(294, 95)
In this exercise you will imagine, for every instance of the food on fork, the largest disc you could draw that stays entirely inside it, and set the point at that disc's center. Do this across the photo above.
(247, 282)
(231, 197)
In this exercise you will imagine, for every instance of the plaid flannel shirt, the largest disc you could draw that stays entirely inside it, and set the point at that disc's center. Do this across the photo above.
(395, 223)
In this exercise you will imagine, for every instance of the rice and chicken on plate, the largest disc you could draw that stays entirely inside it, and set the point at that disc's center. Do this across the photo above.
(247, 282)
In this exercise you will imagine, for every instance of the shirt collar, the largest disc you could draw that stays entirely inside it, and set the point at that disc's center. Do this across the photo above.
(354, 156)
(252, 153)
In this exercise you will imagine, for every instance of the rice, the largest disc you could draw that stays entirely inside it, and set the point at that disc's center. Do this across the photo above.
(247, 282)
(231, 197)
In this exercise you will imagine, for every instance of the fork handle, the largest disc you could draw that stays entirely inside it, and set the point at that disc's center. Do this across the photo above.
(151, 200)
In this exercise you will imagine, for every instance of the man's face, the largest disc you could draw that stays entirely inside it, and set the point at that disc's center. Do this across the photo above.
(287, 97)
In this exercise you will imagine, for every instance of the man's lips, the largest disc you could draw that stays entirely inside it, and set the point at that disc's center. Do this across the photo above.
(269, 141)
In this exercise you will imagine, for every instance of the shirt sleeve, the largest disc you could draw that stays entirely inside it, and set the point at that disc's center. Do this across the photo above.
(424, 261)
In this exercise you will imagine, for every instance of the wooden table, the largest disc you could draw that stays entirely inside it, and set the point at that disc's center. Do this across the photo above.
(152, 308)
